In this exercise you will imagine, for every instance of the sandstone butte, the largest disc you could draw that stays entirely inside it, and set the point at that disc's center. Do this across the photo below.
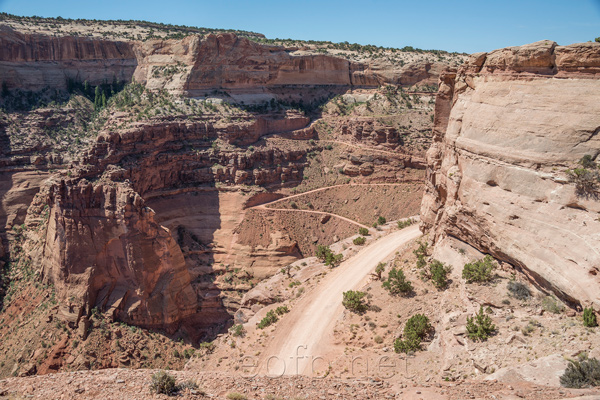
(508, 124)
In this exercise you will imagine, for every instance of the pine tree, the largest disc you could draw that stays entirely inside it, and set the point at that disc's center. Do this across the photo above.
(97, 99)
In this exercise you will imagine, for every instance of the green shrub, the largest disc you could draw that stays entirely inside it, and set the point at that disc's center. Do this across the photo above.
(268, 320)
(438, 273)
(396, 282)
(480, 327)
(421, 253)
(586, 178)
(282, 310)
(163, 383)
(238, 330)
(518, 290)
(363, 231)
(381, 220)
(589, 317)
(415, 330)
(581, 373)
(379, 269)
(359, 241)
(551, 304)
(353, 301)
(404, 223)
(329, 257)
(479, 271)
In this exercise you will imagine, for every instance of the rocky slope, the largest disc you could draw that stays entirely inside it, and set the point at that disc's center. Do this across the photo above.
(508, 125)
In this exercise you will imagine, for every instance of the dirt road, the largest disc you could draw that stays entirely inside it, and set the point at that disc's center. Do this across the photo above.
(305, 333)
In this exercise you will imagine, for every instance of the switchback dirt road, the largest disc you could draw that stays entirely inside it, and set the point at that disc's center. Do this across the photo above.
(306, 332)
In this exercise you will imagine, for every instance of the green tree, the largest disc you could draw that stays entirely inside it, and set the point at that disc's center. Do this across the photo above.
(379, 269)
(397, 283)
(479, 271)
(353, 301)
(415, 330)
(589, 317)
(480, 327)
(438, 272)
(97, 98)
(329, 257)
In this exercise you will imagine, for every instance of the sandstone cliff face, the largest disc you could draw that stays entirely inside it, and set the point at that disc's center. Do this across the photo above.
(33, 62)
(193, 66)
(101, 247)
(507, 126)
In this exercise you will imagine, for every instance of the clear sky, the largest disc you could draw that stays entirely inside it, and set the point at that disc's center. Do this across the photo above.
(459, 25)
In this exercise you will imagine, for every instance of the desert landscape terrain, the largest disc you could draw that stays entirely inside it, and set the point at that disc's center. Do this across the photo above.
(207, 213)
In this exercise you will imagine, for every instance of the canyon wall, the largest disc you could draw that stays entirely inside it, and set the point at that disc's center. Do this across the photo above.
(194, 66)
(508, 125)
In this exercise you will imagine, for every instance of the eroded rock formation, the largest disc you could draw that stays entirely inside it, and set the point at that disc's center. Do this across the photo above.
(508, 124)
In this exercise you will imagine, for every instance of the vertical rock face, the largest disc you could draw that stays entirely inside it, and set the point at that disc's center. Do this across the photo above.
(33, 62)
(507, 126)
(101, 247)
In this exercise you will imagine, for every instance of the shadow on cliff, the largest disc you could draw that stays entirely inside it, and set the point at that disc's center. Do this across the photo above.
(193, 215)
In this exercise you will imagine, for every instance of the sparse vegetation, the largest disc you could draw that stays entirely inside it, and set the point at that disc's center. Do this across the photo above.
(379, 269)
(397, 283)
(479, 271)
(586, 178)
(480, 327)
(581, 373)
(438, 273)
(518, 290)
(282, 310)
(404, 223)
(421, 253)
(416, 329)
(163, 383)
(589, 317)
(353, 301)
(238, 330)
(268, 320)
(551, 304)
(325, 254)
(359, 241)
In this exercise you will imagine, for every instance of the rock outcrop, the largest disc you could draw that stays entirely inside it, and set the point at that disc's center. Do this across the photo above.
(507, 126)
(101, 248)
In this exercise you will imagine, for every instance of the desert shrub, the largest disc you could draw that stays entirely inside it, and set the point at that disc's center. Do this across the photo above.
(163, 383)
(359, 241)
(293, 205)
(397, 283)
(282, 310)
(551, 304)
(235, 396)
(480, 327)
(479, 271)
(353, 301)
(415, 330)
(329, 257)
(405, 223)
(518, 290)
(191, 385)
(589, 317)
(586, 178)
(381, 220)
(581, 373)
(421, 253)
(268, 320)
(238, 330)
(438, 273)
(363, 231)
(379, 269)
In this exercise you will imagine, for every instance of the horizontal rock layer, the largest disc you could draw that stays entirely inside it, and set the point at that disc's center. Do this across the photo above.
(507, 126)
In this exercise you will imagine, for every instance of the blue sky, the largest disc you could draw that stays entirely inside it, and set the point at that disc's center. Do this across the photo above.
(460, 25)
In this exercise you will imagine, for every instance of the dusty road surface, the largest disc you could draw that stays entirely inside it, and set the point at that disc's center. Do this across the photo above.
(305, 333)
